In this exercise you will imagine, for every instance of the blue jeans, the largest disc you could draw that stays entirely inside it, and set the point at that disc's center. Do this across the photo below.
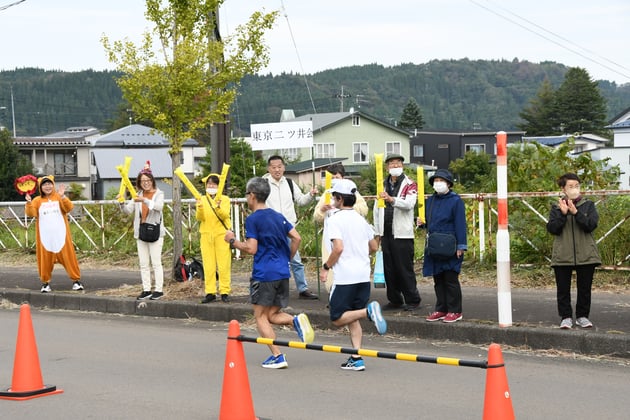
(297, 268)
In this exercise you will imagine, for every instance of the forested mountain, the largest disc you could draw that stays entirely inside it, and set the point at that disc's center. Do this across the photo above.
(452, 94)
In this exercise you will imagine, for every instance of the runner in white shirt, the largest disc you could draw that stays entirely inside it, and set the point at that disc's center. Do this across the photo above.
(350, 240)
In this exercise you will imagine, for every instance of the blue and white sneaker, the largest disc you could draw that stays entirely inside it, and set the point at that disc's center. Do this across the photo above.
(374, 313)
(353, 364)
(303, 328)
(275, 362)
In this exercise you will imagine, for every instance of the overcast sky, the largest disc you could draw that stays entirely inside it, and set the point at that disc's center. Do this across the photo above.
(311, 36)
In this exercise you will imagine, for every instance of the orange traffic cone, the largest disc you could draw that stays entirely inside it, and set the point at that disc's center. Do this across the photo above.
(27, 375)
(498, 402)
(236, 399)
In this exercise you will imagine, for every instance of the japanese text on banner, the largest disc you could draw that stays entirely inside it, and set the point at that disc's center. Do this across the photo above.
(294, 134)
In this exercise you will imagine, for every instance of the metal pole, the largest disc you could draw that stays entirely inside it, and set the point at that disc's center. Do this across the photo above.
(504, 294)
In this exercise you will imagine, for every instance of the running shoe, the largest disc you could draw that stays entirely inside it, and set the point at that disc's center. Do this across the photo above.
(353, 364)
(583, 322)
(303, 328)
(374, 313)
(275, 362)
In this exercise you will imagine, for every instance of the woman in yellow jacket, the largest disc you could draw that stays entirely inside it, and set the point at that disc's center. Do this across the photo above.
(54, 241)
(213, 213)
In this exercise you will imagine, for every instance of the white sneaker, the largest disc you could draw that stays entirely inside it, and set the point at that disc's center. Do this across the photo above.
(566, 324)
(584, 322)
(77, 285)
(46, 288)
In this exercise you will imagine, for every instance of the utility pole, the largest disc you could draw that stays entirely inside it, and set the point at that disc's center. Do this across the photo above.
(219, 132)
(341, 96)
(13, 112)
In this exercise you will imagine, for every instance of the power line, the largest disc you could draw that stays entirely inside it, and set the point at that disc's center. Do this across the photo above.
(551, 40)
(297, 53)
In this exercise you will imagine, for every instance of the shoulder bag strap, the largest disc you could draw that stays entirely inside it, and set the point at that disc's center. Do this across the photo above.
(215, 213)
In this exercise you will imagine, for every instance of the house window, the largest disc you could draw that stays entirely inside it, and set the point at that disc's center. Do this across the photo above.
(360, 152)
(356, 120)
(578, 149)
(392, 147)
(324, 150)
(477, 148)
(291, 154)
(418, 150)
(65, 162)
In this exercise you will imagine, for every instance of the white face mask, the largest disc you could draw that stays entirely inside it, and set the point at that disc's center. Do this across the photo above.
(396, 171)
(211, 191)
(440, 187)
(572, 193)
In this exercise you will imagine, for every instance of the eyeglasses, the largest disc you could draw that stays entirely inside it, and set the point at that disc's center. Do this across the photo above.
(248, 193)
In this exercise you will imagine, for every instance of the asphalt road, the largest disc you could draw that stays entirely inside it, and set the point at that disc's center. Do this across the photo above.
(132, 367)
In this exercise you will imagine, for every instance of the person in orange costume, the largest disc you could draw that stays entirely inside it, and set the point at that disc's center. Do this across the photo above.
(54, 240)
(214, 218)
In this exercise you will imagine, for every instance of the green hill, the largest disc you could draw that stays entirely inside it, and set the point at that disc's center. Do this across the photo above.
(453, 95)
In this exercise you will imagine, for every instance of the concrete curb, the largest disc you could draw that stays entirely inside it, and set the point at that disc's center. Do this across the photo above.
(586, 342)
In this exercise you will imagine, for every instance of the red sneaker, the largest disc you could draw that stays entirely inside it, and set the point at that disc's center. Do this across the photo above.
(453, 317)
(436, 316)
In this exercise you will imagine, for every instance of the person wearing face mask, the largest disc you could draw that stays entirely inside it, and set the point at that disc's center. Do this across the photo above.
(572, 221)
(284, 196)
(394, 226)
(445, 213)
(323, 211)
(213, 214)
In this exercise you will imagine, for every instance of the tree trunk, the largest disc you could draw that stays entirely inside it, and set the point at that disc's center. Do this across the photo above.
(176, 159)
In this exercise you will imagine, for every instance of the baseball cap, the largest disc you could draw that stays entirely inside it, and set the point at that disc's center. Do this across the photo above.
(344, 186)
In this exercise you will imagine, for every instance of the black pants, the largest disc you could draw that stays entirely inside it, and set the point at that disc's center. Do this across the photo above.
(400, 278)
(448, 292)
(584, 275)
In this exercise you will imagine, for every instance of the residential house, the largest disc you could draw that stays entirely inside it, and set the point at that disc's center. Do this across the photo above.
(440, 148)
(619, 154)
(64, 154)
(141, 144)
(353, 137)
(582, 142)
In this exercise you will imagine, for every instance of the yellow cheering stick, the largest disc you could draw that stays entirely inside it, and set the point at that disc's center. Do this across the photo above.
(180, 174)
(421, 193)
(125, 180)
(378, 162)
(327, 186)
(222, 178)
(121, 190)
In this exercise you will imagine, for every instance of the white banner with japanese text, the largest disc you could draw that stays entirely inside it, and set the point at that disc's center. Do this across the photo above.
(284, 135)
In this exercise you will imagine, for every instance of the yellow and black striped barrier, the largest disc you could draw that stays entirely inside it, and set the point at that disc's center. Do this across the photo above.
(483, 364)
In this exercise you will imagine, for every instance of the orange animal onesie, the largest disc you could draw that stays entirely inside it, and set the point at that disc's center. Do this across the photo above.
(54, 241)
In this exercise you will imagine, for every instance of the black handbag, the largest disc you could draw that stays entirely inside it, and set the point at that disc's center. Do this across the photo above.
(438, 245)
(441, 246)
(149, 232)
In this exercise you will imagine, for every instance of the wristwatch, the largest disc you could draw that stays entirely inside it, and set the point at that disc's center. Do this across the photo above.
(325, 267)
(232, 242)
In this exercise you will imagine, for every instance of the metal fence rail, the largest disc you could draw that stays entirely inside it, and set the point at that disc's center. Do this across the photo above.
(90, 219)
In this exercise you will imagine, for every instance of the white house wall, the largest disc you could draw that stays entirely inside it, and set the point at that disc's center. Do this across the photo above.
(618, 156)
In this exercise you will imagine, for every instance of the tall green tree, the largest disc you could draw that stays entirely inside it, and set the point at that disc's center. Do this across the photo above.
(183, 76)
(472, 171)
(411, 117)
(579, 105)
(13, 165)
(540, 115)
